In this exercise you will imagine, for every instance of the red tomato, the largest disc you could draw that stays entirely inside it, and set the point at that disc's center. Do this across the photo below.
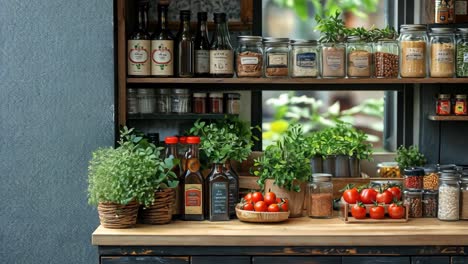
(248, 197)
(396, 211)
(248, 207)
(396, 192)
(260, 206)
(368, 195)
(257, 197)
(273, 208)
(284, 206)
(384, 197)
(269, 198)
(351, 195)
(377, 212)
(358, 211)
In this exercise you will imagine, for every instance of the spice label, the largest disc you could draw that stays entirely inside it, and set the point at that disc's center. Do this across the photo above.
(219, 197)
(461, 8)
(306, 60)
(162, 62)
(460, 108)
(444, 56)
(334, 62)
(202, 61)
(193, 199)
(444, 108)
(361, 62)
(414, 54)
(221, 62)
(248, 60)
(465, 57)
(277, 59)
(138, 63)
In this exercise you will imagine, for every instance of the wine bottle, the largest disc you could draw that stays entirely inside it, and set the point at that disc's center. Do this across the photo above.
(139, 45)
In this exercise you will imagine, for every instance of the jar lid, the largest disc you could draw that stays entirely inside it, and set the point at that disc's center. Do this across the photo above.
(444, 96)
(233, 95)
(462, 31)
(249, 38)
(295, 42)
(321, 177)
(388, 164)
(131, 91)
(171, 140)
(460, 96)
(449, 175)
(163, 91)
(414, 172)
(216, 95)
(199, 95)
(430, 192)
(193, 140)
(276, 40)
(446, 167)
(412, 191)
(430, 169)
(413, 27)
(180, 91)
(442, 30)
(183, 140)
(355, 39)
(146, 91)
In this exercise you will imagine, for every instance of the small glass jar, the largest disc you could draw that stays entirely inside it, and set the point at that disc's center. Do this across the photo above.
(388, 170)
(276, 58)
(449, 197)
(431, 179)
(464, 196)
(413, 178)
(180, 101)
(414, 199)
(320, 196)
(462, 52)
(333, 61)
(216, 103)
(429, 203)
(232, 103)
(413, 48)
(359, 57)
(304, 58)
(442, 41)
(386, 58)
(163, 100)
(249, 56)
(132, 101)
(459, 108)
(199, 103)
(146, 101)
(444, 105)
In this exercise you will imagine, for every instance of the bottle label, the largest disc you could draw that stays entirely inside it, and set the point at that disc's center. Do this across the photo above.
(202, 61)
(233, 192)
(277, 59)
(219, 197)
(193, 199)
(162, 61)
(306, 60)
(334, 62)
(414, 54)
(444, 56)
(248, 60)
(221, 62)
(138, 54)
(461, 8)
(465, 57)
(460, 108)
(361, 62)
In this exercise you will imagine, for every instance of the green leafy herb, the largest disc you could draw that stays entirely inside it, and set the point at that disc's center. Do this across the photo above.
(409, 157)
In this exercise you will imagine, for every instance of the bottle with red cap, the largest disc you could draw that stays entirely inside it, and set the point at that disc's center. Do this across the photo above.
(193, 183)
(181, 150)
(171, 152)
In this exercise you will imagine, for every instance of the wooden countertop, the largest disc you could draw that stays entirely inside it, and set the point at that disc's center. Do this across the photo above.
(294, 232)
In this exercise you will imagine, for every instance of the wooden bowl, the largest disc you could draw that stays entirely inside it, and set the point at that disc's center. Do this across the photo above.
(261, 217)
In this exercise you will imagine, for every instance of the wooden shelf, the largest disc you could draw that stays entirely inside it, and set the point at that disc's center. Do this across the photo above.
(448, 118)
(160, 116)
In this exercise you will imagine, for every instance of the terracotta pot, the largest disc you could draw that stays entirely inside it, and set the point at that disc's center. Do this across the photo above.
(296, 199)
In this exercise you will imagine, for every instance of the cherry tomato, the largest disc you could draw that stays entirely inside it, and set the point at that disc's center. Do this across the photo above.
(260, 206)
(377, 212)
(351, 194)
(248, 197)
(368, 195)
(396, 210)
(384, 197)
(257, 197)
(269, 198)
(273, 208)
(358, 211)
(284, 206)
(396, 192)
(248, 207)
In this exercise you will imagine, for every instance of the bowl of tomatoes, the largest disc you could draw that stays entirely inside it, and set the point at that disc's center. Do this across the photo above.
(258, 208)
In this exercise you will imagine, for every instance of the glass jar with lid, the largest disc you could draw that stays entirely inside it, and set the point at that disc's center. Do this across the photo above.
(216, 103)
(163, 100)
(388, 170)
(443, 105)
(413, 48)
(333, 60)
(232, 103)
(430, 203)
(146, 101)
(249, 56)
(449, 197)
(320, 196)
(132, 101)
(414, 199)
(359, 57)
(442, 42)
(464, 195)
(414, 178)
(276, 58)
(304, 58)
(199, 103)
(180, 101)
(431, 178)
(460, 106)
(462, 52)
(386, 58)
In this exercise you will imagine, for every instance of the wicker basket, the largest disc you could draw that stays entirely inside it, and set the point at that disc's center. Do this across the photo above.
(161, 211)
(114, 215)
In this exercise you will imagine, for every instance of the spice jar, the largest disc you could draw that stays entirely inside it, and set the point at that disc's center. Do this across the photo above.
(459, 108)
(320, 196)
(304, 58)
(413, 178)
(413, 39)
(443, 106)
(180, 101)
(386, 58)
(163, 100)
(216, 103)
(431, 179)
(414, 199)
(146, 101)
(232, 103)
(464, 196)
(359, 54)
(430, 203)
(249, 56)
(449, 197)
(276, 58)
(444, 11)
(132, 101)
(199, 103)
(333, 60)
(462, 52)
(442, 41)
(388, 170)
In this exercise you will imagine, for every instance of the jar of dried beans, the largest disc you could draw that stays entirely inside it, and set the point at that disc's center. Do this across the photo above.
(442, 43)
(430, 203)
(431, 178)
(276, 58)
(414, 199)
(386, 58)
(464, 196)
(320, 196)
(249, 56)
(359, 55)
(304, 58)
(413, 43)
(413, 178)
(333, 60)
(449, 197)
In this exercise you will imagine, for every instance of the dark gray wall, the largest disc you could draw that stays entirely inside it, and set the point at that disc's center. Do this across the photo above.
(56, 106)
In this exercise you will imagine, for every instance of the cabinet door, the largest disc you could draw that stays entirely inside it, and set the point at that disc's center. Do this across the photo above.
(460, 260)
(296, 260)
(220, 260)
(145, 260)
(376, 260)
(430, 260)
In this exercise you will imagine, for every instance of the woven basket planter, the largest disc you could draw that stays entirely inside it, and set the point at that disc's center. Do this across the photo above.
(114, 215)
(161, 211)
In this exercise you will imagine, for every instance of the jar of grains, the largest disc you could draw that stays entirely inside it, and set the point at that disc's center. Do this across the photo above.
(462, 52)
(430, 203)
(442, 43)
(320, 196)
(431, 178)
(414, 199)
(449, 197)
(359, 55)
(304, 58)
(276, 58)
(386, 58)
(413, 40)
(333, 60)
(163, 100)
(464, 196)
(414, 178)
(249, 56)
(232, 103)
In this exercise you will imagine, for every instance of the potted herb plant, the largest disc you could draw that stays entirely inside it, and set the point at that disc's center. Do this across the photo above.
(409, 157)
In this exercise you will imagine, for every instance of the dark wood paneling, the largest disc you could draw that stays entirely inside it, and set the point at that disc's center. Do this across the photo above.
(376, 260)
(220, 260)
(459, 260)
(296, 260)
(145, 260)
(429, 131)
(430, 260)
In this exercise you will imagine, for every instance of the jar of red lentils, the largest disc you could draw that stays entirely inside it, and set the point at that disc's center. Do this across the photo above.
(414, 178)
(216, 103)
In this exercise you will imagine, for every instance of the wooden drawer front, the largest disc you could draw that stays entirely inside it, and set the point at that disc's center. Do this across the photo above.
(220, 260)
(376, 260)
(296, 260)
(430, 260)
(145, 260)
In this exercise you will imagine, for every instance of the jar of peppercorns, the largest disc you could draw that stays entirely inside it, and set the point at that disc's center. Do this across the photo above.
(443, 106)
(414, 199)
(459, 108)
(414, 178)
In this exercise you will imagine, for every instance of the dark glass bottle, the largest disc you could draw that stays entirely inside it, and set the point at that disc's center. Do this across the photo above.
(139, 46)
(217, 195)
(233, 178)
(193, 183)
(202, 47)
(221, 52)
(162, 46)
(185, 47)
(171, 152)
